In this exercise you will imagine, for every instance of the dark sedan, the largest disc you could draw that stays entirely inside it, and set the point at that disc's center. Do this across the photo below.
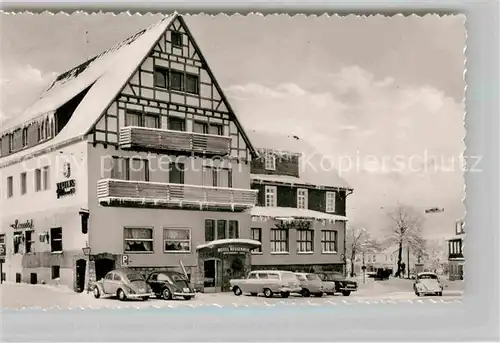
(169, 285)
(342, 285)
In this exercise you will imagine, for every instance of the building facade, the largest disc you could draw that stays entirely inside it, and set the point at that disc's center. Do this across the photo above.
(456, 258)
(300, 217)
(133, 158)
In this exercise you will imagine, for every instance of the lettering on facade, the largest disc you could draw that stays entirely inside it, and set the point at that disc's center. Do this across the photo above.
(67, 170)
(64, 188)
(233, 249)
(295, 224)
(17, 225)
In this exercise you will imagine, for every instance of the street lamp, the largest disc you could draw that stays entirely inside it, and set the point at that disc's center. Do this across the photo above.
(86, 251)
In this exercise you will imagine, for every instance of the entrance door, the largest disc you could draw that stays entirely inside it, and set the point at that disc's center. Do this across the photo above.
(102, 267)
(81, 266)
(211, 275)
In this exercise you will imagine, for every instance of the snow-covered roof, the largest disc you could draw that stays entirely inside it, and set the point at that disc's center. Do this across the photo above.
(286, 213)
(106, 73)
(315, 169)
(228, 241)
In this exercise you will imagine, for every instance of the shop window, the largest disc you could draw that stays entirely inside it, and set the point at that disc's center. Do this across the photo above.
(29, 241)
(138, 239)
(177, 240)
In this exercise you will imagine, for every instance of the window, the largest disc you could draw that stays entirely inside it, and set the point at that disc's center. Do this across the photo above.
(330, 201)
(176, 39)
(192, 84)
(176, 173)
(221, 229)
(177, 240)
(17, 239)
(151, 121)
(271, 196)
(116, 277)
(56, 239)
(138, 239)
(302, 198)
(2, 238)
(120, 169)
(209, 230)
(257, 236)
(25, 137)
(328, 241)
(305, 240)
(138, 169)
(161, 77)
(374, 258)
(10, 187)
(11, 143)
(56, 272)
(29, 242)
(176, 124)
(109, 276)
(23, 183)
(42, 131)
(38, 180)
(270, 161)
(46, 178)
(217, 177)
(279, 240)
(133, 118)
(176, 80)
(252, 276)
(206, 128)
(233, 229)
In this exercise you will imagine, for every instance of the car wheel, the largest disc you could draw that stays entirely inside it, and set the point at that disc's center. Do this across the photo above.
(318, 295)
(97, 293)
(187, 297)
(121, 295)
(158, 296)
(346, 293)
(285, 294)
(166, 294)
(253, 294)
(237, 291)
(330, 293)
(305, 293)
(145, 298)
(268, 293)
(440, 294)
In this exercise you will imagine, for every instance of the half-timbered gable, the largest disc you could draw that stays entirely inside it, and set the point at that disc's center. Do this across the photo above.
(172, 103)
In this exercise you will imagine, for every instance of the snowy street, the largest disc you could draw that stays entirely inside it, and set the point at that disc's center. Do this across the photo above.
(19, 296)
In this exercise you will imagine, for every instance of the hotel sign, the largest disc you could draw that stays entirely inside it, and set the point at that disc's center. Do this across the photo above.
(233, 249)
(64, 188)
(28, 224)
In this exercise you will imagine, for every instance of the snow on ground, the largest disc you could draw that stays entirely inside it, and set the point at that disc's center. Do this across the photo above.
(19, 296)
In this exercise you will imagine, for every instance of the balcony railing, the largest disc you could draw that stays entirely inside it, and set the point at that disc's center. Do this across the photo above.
(150, 139)
(114, 192)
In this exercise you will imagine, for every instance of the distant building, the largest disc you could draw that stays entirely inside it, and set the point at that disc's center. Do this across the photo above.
(456, 257)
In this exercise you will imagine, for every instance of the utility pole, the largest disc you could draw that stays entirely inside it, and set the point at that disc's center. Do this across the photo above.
(408, 260)
(364, 267)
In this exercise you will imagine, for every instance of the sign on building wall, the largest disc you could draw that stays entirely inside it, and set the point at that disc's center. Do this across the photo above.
(66, 187)
(19, 225)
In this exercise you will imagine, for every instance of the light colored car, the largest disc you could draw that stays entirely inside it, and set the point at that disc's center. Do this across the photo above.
(427, 283)
(268, 282)
(124, 284)
(311, 284)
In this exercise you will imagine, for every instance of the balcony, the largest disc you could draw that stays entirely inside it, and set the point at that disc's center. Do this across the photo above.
(114, 192)
(160, 140)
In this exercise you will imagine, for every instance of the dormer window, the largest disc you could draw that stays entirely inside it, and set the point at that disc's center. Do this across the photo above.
(270, 161)
(302, 198)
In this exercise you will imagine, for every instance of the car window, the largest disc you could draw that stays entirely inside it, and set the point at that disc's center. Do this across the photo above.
(313, 277)
(153, 277)
(252, 276)
(301, 278)
(428, 277)
(288, 277)
(162, 277)
(109, 276)
(263, 276)
(135, 277)
(116, 277)
(273, 276)
(176, 277)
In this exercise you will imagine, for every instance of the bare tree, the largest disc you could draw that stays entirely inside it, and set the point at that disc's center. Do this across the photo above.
(358, 241)
(405, 231)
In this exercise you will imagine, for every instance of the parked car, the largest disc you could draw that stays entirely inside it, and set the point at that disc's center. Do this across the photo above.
(168, 285)
(427, 283)
(311, 284)
(336, 282)
(124, 284)
(268, 282)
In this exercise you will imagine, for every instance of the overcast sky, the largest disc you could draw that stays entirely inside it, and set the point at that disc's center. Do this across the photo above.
(373, 89)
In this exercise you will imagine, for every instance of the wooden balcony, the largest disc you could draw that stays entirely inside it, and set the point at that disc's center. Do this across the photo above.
(114, 192)
(160, 140)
